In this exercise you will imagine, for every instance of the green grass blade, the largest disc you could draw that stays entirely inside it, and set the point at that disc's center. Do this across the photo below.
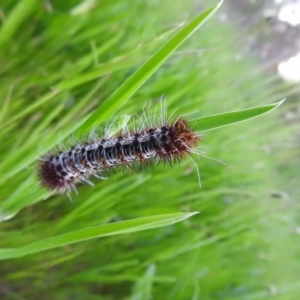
(138, 78)
(71, 83)
(19, 14)
(143, 286)
(221, 120)
(95, 232)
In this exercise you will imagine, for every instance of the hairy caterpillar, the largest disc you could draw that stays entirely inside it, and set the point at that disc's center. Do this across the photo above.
(157, 139)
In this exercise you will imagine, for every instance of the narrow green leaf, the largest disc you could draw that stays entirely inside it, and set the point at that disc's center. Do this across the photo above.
(138, 78)
(95, 232)
(220, 120)
(143, 286)
(71, 83)
(19, 14)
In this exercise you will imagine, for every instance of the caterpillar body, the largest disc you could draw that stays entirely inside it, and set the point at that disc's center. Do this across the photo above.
(170, 142)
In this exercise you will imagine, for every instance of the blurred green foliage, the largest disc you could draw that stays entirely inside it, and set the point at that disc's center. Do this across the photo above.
(59, 60)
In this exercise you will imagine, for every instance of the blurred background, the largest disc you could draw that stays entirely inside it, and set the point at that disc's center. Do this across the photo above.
(59, 60)
(273, 33)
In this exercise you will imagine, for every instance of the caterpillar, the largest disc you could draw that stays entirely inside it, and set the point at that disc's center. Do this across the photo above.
(61, 171)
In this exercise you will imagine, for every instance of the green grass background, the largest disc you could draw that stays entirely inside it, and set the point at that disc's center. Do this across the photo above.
(59, 62)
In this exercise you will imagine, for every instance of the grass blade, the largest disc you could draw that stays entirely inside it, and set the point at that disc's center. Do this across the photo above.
(19, 14)
(138, 78)
(221, 120)
(95, 232)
